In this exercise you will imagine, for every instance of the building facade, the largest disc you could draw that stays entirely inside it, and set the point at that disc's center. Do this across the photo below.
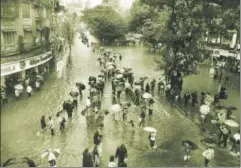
(26, 29)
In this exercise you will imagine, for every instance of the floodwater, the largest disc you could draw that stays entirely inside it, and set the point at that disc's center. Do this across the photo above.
(20, 120)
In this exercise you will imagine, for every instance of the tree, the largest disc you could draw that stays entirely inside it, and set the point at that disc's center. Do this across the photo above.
(153, 29)
(105, 23)
(138, 14)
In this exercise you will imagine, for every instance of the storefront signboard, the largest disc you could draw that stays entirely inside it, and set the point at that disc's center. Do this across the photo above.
(14, 67)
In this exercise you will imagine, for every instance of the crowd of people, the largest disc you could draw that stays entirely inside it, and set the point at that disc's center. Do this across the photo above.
(33, 81)
(128, 90)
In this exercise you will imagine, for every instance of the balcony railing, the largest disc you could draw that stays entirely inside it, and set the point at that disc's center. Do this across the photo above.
(8, 49)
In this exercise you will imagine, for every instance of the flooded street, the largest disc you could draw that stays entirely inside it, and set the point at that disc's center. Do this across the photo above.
(20, 120)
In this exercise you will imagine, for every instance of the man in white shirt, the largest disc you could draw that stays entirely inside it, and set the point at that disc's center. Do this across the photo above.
(208, 155)
(29, 90)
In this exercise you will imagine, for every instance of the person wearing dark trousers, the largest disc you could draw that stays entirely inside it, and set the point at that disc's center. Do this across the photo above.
(142, 118)
(51, 126)
(43, 123)
(153, 84)
(147, 89)
(224, 134)
(186, 98)
(121, 154)
(194, 98)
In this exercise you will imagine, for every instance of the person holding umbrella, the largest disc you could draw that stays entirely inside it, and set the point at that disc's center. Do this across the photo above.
(152, 139)
(208, 155)
(142, 117)
(153, 84)
(121, 154)
(43, 123)
(224, 133)
(147, 89)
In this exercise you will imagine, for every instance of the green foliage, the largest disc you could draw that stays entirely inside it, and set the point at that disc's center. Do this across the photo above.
(183, 28)
(138, 14)
(153, 30)
(105, 23)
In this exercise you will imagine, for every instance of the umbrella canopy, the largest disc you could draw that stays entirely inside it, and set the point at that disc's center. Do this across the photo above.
(150, 129)
(100, 76)
(18, 87)
(137, 83)
(143, 78)
(51, 154)
(204, 109)
(236, 136)
(137, 87)
(147, 95)
(116, 108)
(109, 64)
(119, 76)
(231, 123)
(188, 143)
(232, 108)
(110, 67)
(127, 69)
(122, 70)
(74, 94)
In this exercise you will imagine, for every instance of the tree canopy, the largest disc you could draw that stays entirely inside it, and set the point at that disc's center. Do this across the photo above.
(105, 23)
(181, 26)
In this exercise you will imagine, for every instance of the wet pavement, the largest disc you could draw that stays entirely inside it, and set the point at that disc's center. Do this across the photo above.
(20, 120)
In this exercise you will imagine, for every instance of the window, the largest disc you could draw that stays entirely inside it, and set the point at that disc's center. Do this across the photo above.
(9, 8)
(9, 37)
(28, 36)
(26, 10)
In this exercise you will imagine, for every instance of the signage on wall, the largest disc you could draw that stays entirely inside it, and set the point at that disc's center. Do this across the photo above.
(10, 68)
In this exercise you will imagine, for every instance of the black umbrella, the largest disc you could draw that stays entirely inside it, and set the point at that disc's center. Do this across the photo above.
(151, 101)
(92, 78)
(188, 143)
(232, 108)
(100, 76)
(137, 83)
(30, 162)
(143, 78)
(80, 85)
(8, 162)
(74, 94)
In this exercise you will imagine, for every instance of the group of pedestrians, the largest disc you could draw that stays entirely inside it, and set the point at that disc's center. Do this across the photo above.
(33, 81)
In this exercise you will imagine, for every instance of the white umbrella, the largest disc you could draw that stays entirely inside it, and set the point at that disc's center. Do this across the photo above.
(122, 71)
(231, 123)
(138, 87)
(147, 95)
(119, 76)
(18, 87)
(116, 108)
(51, 154)
(109, 63)
(236, 136)
(150, 129)
(204, 109)
(110, 67)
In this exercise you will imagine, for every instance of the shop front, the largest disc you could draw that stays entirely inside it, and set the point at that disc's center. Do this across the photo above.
(15, 72)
